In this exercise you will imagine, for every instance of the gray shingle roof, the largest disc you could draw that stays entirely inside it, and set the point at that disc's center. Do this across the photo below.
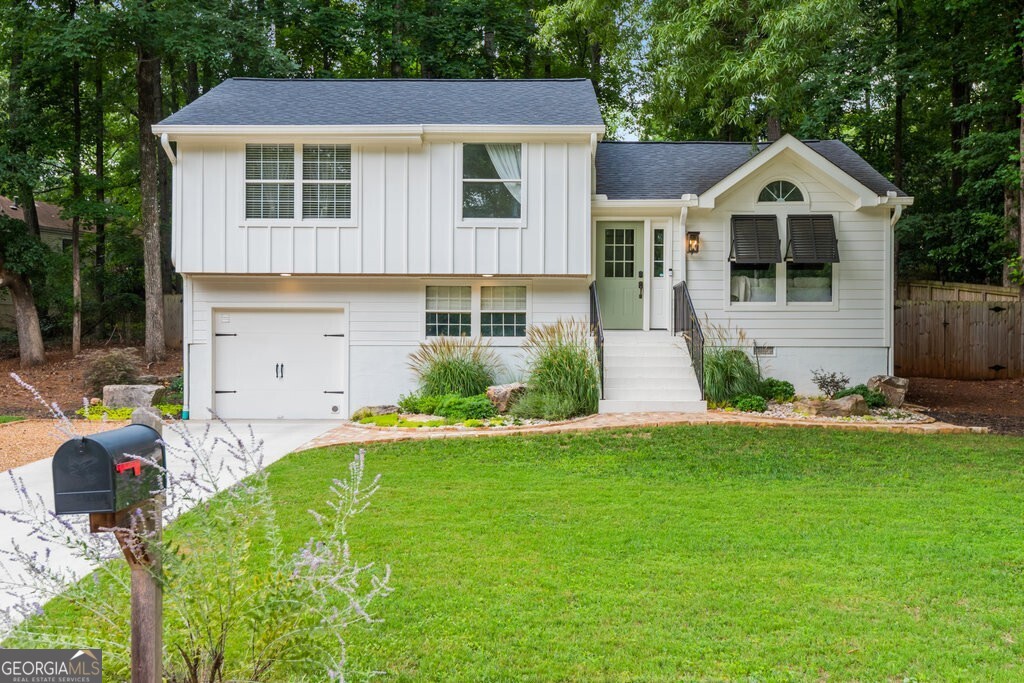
(338, 102)
(668, 170)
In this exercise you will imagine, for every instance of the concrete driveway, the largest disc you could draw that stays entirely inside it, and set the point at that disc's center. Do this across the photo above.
(279, 438)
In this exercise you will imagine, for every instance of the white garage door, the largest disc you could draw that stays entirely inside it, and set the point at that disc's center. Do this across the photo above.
(280, 364)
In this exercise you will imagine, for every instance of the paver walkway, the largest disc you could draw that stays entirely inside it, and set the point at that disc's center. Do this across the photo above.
(356, 433)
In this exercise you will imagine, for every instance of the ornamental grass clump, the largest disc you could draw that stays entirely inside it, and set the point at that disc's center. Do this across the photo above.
(728, 374)
(563, 375)
(454, 365)
(728, 370)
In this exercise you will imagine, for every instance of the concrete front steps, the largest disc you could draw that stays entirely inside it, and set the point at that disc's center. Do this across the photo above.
(647, 372)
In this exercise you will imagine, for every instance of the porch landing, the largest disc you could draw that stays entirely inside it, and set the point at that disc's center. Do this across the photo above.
(647, 372)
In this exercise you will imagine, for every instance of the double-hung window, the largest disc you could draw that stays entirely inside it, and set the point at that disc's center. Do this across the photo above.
(324, 180)
(492, 180)
(449, 311)
(269, 181)
(503, 311)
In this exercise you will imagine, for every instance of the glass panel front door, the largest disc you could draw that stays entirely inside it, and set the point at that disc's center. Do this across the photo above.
(620, 254)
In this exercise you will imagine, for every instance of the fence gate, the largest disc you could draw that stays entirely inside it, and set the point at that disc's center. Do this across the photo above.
(959, 339)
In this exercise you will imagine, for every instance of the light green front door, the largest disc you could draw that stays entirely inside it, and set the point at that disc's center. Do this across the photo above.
(620, 257)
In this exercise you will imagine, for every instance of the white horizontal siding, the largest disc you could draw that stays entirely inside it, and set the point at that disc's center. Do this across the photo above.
(858, 321)
(386, 323)
(406, 207)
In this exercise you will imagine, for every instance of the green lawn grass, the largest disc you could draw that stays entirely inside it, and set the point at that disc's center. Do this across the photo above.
(9, 418)
(687, 553)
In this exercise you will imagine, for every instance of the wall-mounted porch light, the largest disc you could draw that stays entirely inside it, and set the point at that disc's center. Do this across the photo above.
(693, 243)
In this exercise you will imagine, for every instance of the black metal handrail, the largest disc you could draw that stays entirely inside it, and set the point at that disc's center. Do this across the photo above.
(685, 321)
(597, 329)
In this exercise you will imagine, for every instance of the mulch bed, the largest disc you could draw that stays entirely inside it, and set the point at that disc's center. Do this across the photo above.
(60, 381)
(996, 404)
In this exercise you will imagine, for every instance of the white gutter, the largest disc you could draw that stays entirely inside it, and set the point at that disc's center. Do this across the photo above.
(897, 211)
(165, 142)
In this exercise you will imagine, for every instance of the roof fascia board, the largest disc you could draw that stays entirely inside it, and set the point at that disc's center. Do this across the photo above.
(386, 133)
(861, 195)
(601, 201)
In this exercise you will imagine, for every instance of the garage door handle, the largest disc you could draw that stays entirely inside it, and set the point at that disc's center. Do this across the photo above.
(334, 392)
(282, 370)
(277, 370)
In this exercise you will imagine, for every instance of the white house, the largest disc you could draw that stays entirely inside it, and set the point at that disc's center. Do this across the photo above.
(325, 228)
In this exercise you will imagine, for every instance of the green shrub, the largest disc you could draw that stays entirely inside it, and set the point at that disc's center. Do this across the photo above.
(447, 365)
(118, 366)
(750, 404)
(540, 405)
(470, 408)
(102, 412)
(776, 390)
(728, 374)
(422, 404)
(874, 398)
(563, 376)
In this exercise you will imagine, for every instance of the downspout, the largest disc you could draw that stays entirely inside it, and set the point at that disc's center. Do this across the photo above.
(897, 213)
(165, 142)
(186, 295)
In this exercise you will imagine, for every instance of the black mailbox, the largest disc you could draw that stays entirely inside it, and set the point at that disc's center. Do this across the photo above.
(97, 473)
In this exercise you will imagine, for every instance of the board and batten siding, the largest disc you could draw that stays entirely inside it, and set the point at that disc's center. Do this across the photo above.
(406, 205)
(385, 320)
(860, 315)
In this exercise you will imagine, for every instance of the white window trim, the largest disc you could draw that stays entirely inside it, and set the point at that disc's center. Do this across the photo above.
(782, 209)
(297, 220)
(462, 222)
(475, 317)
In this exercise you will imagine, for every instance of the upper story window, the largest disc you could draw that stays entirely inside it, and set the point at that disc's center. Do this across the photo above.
(492, 180)
(326, 181)
(780, 191)
(325, 177)
(269, 181)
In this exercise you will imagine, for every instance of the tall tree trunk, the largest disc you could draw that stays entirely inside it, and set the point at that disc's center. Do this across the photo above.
(76, 198)
(191, 82)
(396, 42)
(26, 317)
(100, 194)
(147, 82)
(1020, 187)
(899, 124)
(960, 95)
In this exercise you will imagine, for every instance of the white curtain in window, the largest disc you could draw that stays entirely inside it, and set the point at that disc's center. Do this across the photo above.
(506, 160)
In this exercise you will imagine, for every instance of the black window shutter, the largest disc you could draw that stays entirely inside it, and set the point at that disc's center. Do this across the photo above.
(755, 239)
(812, 239)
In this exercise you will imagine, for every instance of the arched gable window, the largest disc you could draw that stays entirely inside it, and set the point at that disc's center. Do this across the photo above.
(780, 191)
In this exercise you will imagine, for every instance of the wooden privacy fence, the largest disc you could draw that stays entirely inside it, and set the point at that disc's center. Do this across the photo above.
(959, 339)
(933, 290)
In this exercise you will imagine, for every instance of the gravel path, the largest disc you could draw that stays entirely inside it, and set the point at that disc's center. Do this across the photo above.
(30, 440)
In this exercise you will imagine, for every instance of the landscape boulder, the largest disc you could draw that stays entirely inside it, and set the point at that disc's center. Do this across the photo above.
(844, 407)
(373, 411)
(894, 388)
(840, 407)
(130, 395)
(502, 396)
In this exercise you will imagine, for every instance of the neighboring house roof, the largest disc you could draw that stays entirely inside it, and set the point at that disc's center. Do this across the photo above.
(49, 214)
(344, 102)
(668, 170)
